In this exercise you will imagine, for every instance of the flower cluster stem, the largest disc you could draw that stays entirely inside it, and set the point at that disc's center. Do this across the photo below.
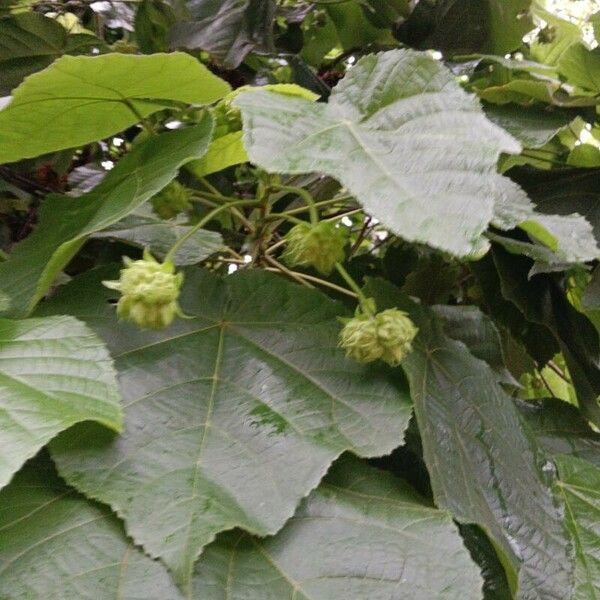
(202, 222)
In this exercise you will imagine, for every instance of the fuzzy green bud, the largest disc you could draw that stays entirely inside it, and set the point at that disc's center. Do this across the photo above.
(387, 335)
(319, 246)
(171, 200)
(149, 292)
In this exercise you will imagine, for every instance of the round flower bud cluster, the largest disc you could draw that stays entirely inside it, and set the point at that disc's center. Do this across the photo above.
(171, 200)
(319, 246)
(149, 292)
(228, 118)
(387, 335)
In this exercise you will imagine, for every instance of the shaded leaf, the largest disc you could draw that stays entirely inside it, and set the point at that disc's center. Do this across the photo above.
(495, 584)
(144, 229)
(231, 417)
(153, 20)
(553, 193)
(485, 466)
(361, 534)
(58, 546)
(29, 42)
(81, 99)
(560, 429)
(477, 331)
(352, 26)
(227, 29)
(568, 234)
(64, 223)
(542, 300)
(532, 126)
(398, 132)
(464, 26)
(54, 372)
(537, 339)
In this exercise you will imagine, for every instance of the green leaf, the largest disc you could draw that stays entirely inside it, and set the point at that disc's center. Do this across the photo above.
(538, 341)
(58, 546)
(54, 372)
(485, 466)
(29, 42)
(477, 331)
(146, 230)
(581, 68)
(81, 99)
(532, 126)
(560, 429)
(553, 193)
(541, 299)
(227, 29)
(362, 534)
(231, 417)
(153, 20)
(64, 223)
(495, 586)
(398, 133)
(353, 28)
(580, 487)
(569, 235)
(495, 26)
(223, 152)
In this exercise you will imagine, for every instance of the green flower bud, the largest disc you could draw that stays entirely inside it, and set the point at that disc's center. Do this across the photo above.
(228, 118)
(171, 200)
(124, 47)
(387, 335)
(149, 292)
(319, 246)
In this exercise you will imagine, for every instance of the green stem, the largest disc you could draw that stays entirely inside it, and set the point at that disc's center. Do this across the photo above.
(362, 299)
(209, 186)
(184, 238)
(218, 197)
(143, 121)
(305, 195)
(322, 203)
(285, 216)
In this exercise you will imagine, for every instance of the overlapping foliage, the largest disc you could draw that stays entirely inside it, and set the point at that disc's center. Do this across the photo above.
(292, 164)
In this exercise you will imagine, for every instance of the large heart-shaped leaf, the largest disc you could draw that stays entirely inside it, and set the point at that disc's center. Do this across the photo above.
(232, 417)
(580, 487)
(54, 372)
(81, 99)
(64, 223)
(400, 133)
(362, 534)
(485, 466)
(56, 545)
